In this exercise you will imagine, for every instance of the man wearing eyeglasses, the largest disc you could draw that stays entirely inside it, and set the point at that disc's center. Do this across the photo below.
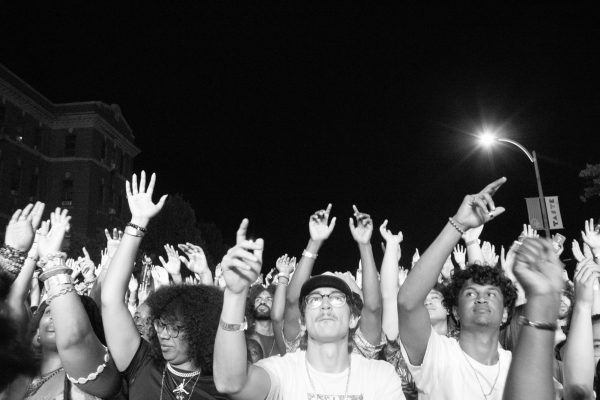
(326, 370)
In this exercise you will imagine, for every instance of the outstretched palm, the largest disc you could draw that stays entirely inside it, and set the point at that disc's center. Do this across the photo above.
(139, 198)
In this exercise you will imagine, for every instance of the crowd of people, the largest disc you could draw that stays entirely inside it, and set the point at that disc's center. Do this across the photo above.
(463, 322)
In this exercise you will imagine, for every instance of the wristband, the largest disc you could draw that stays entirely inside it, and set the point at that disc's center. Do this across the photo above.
(132, 231)
(137, 227)
(457, 226)
(546, 326)
(308, 254)
(233, 327)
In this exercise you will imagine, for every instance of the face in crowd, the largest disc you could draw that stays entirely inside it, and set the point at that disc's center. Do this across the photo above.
(143, 321)
(480, 305)
(435, 306)
(172, 339)
(327, 315)
(46, 337)
(262, 306)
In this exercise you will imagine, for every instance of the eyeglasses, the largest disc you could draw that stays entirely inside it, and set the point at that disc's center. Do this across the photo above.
(314, 300)
(259, 300)
(172, 330)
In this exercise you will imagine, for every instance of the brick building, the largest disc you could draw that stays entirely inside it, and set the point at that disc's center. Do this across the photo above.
(73, 155)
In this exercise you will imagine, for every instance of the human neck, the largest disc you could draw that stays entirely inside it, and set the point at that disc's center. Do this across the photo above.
(264, 327)
(481, 346)
(440, 327)
(188, 366)
(328, 357)
(50, 361)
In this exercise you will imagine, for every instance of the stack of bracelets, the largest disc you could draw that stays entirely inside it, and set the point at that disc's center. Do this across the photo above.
(56, 275)
(11, 259)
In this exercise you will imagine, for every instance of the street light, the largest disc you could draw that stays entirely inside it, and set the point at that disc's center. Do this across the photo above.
(488, 139)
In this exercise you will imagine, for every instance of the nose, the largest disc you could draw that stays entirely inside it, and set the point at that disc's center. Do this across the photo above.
(481, 299)
(325, 303)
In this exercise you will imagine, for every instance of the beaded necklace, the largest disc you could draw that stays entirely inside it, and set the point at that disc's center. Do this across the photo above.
(38, 382)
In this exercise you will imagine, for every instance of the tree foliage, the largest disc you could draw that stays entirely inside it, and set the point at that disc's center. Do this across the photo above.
(591, 176)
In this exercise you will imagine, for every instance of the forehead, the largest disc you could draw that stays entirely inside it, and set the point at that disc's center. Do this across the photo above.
(479, 287)
(264, 293)
(324, 290)
(434, 292)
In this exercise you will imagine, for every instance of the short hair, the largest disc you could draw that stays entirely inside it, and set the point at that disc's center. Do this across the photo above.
(197, 308)
(482, 275)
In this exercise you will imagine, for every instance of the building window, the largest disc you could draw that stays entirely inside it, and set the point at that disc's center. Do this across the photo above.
(15, 178)
(70, 143)
(67, 189)
(34, 183)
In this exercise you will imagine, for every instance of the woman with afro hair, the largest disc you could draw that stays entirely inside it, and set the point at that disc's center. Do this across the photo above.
(176, 363)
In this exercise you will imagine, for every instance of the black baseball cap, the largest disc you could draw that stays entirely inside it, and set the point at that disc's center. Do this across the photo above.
(325, 280)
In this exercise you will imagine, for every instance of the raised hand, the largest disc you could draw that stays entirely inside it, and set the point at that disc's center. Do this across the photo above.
(285, 265)
(59, 225)
(104, 261)
(576, 250)
(591, 236)
(173, 265)
(389, 237)
(21, 227)
(528, 232)
(402, 274)
(319, 226)
(139, 198)
(242, 264)
(196, 261)
(415, 257)
(87, 266)
(585, 278)
(160, 276)
(538, 268)
(364, 229)
(489, 254)
(507, 261)
(460, 256)
(477, 209)
(133, 285)
(447, 269)
(112, 242)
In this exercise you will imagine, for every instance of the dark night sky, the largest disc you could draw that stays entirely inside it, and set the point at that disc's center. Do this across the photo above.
(270, 112)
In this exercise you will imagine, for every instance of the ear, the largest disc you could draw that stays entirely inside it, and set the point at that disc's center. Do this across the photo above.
(353, 323)
(455, 313)
(504, 316)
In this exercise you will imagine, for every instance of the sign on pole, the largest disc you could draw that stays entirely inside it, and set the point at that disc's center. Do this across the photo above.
(534, 212)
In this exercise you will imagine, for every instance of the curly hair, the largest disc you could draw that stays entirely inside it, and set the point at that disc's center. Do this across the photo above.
(197, 308)
(252, 295)
(482, 275)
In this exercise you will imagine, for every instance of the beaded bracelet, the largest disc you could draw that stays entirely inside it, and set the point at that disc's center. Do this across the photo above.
(54, 258)
(93, 375)
(139, 228)
(13, 254)
(456, 226)
(10, 266)
(62, 292)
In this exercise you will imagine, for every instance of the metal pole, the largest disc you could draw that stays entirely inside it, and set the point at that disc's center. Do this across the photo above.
(541, 196)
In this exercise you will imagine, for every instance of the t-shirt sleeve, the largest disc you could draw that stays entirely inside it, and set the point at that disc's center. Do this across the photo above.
(141, 358)
(274, 368)
(426, 375)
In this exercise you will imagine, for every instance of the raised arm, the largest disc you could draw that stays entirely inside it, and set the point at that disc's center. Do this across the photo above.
(539, 271)
(232, 375)
(370, 318)
(173, 263)
(473, 245)
(112, 244)
(389, 281)
(474, 211)
(81, 352)
(320, 228)
(121, 334)
(578, 358)
(285, 267)
(196, 262)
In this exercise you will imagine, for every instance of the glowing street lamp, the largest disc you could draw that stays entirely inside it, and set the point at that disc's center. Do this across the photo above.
(487, 139)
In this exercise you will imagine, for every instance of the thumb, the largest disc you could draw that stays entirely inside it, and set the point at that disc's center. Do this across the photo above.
(184, 261)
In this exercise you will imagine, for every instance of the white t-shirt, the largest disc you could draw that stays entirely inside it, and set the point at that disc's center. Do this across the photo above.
(449, 373)
(369, 380)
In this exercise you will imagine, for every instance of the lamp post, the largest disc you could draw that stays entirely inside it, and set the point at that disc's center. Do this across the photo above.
(488, 139)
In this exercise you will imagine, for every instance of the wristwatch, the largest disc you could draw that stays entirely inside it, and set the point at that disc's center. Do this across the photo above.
(234, 327)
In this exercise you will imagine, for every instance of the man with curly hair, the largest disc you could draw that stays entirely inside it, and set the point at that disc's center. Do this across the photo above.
(260, 329)
(480, 298)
